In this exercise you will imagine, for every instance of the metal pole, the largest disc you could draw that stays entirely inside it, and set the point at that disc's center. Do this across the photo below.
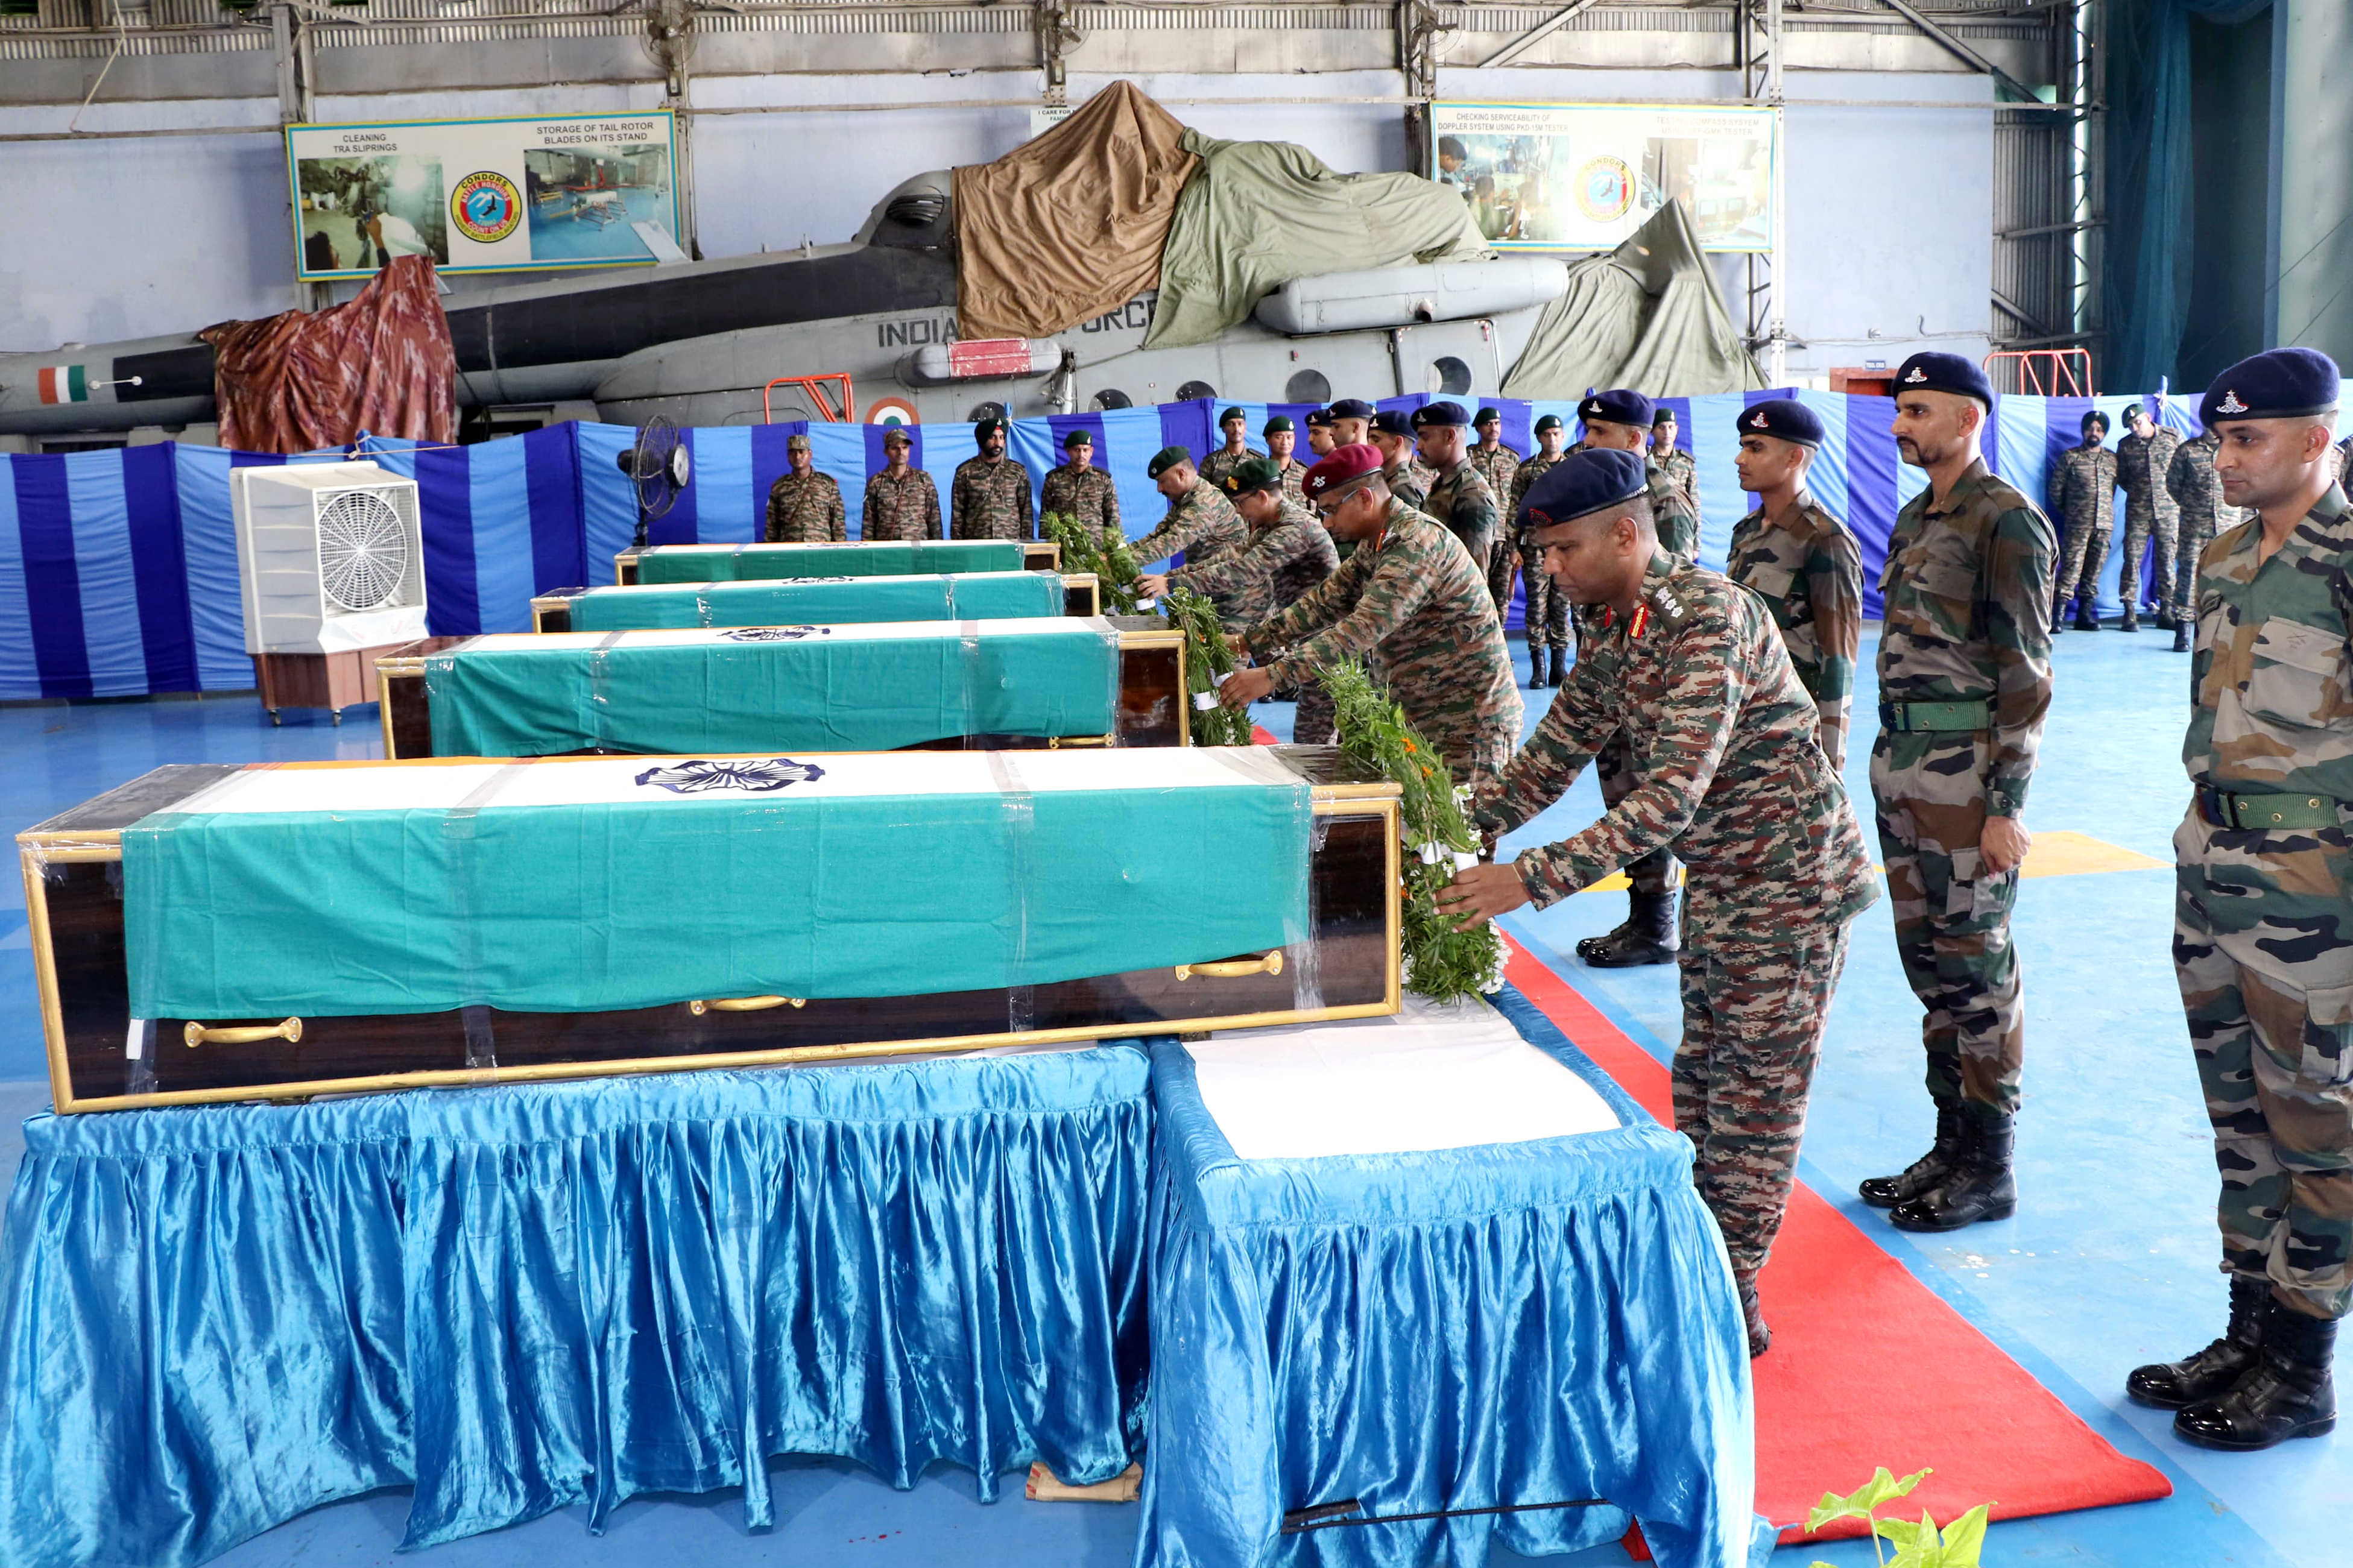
(1776, 318)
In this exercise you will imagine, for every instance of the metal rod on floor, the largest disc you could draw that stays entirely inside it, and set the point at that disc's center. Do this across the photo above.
(1328, 1515)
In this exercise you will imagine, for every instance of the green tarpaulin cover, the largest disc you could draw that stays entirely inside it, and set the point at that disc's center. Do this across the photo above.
(603, 883)
(852, 688)
(749, 562)
(820, 601)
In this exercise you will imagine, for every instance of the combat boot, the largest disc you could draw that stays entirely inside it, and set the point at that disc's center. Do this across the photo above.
(1646, 937)
(1559, 665)
(1980, 1186)
(2087, 618)
(2170, 1384)
(1535, 668)
(1752, 1317)
(2289, 1393)
(2166, 619)
(1886, 1192)
(2181, 637)
(2131, 623)
(2059, 615)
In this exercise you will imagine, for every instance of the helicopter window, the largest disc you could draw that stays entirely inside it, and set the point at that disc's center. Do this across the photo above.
(1449, 375)
(1193, 389)
(917, 211)
(986, 411)
(1307, 386)
(1112, 397)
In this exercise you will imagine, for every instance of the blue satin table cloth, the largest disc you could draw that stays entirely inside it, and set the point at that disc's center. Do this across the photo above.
(522, 1299)
(1460, 1328)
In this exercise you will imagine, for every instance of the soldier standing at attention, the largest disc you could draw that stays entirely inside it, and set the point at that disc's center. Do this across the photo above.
(1286, 553)
(1496, 463)
(1201, 524)
(1688, 669)
(1393, 437)
(1964, 687)
(1681, 468)
(1076, 488)
(1281, 436)
(1319, 433)
(805, 506)
(990, 496)
(1352, 422)
(2143, 460)
(1409, 601)
(902, 502)
(1457, 495)
(2261, 941)
(1621, 419)
(1801, 561)
(1547, 612)
(1234, 425)
(2082, 493)
(2189, 480)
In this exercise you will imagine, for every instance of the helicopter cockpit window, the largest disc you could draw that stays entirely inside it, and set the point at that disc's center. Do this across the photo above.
(1449, 375)
(1112, 397)
(1307, 386)
(1193, 389)
(986, 411)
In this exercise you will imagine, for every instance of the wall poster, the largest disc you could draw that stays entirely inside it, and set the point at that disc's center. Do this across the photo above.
(485, 196)
(1583, 177)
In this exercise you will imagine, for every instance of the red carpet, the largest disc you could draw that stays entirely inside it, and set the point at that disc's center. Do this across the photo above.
(1869, 1366)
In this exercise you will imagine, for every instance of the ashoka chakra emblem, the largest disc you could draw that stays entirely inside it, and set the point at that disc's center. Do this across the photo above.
(755, 776)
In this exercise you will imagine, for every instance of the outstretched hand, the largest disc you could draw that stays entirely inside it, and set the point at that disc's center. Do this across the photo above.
(1483, 892)
(1244, 686)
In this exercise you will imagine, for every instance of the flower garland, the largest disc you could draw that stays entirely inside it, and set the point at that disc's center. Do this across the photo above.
(1085, 549)
(1209, 659)
(1441, 960)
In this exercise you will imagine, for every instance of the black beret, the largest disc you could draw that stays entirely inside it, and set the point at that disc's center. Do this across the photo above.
(2096, 417)
(1549, 422)
(1394, 422)
(1252, 474)
(1319, 418)
(1933, 372)
(1352, 408)
(1619, 405)
(1447, 414)
(1581, 483)
(1662, 414)
(1278, 423)
(1167, 458)
(1077, 439)
(1487, 416)
(1784, 419)
(2284, 384)
(1233, 414)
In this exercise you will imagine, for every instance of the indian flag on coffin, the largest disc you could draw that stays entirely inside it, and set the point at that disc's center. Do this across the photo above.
(64, 384)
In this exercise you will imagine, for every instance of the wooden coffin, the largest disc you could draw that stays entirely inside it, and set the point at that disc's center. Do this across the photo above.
(552, 611)
(1037, 555)
(1151, 709)
(99, 1058)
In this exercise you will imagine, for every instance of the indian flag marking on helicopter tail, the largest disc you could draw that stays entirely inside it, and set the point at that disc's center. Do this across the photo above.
(64, 384)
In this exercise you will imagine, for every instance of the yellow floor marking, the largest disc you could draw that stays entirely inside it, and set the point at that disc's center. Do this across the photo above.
(2057, 852)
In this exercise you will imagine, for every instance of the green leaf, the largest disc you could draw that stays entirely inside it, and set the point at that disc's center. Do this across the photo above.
(1882, 1487)
(1964, 1538)
(1904, 1533)
(1916, 1544)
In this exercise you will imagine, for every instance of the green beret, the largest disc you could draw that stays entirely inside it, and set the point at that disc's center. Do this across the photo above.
(1233, 414)
(1253, 474)
(1487, 416)
(1280, 422)
(1077, 439)
(1549, 422)
(1167, 458)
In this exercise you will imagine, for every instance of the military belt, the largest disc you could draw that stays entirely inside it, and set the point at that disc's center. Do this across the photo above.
(2221, 808)
(1911, 717)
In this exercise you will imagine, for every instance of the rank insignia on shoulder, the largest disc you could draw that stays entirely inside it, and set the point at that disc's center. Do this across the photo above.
(1670, 608)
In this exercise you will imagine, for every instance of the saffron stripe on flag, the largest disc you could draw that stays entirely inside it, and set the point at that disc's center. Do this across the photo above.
(64, 384)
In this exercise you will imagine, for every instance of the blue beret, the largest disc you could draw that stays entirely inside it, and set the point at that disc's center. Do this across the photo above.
(1934, 372)
(1619, 405)
(1167, 458)
(1352, 408)
(1549, 422)
(1784, 419)
(1441, 413)
(1394, 422)
(2284, 384)
(1352, 461)
(1581, 483)
(1319, 418)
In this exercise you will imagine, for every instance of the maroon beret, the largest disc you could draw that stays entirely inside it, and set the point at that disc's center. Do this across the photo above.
(1346, 463)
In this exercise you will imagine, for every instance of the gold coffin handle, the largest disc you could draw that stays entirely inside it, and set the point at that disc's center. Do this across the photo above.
(744, 1004)
(291, 1031)
(1234, 968)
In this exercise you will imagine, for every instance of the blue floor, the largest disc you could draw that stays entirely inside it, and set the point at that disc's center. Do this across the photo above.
(2110, 1262)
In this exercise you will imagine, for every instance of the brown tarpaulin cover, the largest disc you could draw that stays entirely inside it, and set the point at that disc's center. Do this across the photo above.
(301, 381)
(1069, 226)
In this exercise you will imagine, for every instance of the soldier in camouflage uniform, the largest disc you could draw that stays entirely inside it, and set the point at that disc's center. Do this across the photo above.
(2082, 495)
(1497, 464)
(1201, 524)
(1964, 687)
(1547, 612)
(1234, 425)
(2190, 481)
(1351, 423)
(1281, 436)
(990, 496)
(805, 506)
(1680, 468)
(1080, 490)
(1457, 495)
(2143, 460)
(1690, 671)
(1409, 601)
(1393, 437)
(2263, 941)
(1801, 561)
(901, 502)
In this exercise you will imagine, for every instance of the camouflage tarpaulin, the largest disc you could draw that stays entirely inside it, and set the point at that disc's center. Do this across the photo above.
(301, 381)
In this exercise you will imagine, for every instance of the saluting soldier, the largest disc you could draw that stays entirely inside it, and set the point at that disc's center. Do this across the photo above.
(1201, 524)
(1319, 435)
(1689, 671)
(1352, 422)
(1546, 611)
(1393, 437)
(2263, 938)
(1680, 466)
(1233, 425)
(990, 496)
(805, 506)
(2143, 460)
(902, 502)
(1280, 437)
(2083, 494)
(1496, 463)
(1620, 420)
(2190, 481)
(1076, 488)
(1409, 602)
(1801, 561)
(1963, 688)
(1458, 495)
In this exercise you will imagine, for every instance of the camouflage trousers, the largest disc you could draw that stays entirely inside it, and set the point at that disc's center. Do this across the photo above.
(1503, 566)
(1753, 1018)
(2274, 1049)
(2141, 525)
(2081, 561)
(1952, 919)
(1546, 611)
(2190, 544)
(1314, 723)
(1613, 770)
